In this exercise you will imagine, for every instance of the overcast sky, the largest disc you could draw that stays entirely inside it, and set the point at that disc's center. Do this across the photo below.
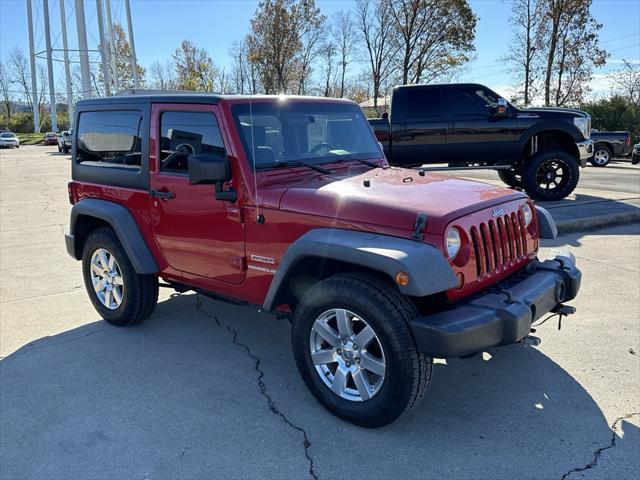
(160, 25)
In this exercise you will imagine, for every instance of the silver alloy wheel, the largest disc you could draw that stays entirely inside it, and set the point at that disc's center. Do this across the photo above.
(347, 355)
(601, 157)
(106, 278)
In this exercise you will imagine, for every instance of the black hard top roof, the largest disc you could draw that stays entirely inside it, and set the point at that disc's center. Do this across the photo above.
(191, 97)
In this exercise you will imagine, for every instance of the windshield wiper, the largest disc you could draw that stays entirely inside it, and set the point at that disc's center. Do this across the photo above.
(295, 163)
(354, 159)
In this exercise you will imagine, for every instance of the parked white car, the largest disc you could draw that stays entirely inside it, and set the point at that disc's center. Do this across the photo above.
(9, 140)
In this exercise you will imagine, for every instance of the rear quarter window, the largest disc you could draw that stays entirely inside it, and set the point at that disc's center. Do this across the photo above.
(110, 139)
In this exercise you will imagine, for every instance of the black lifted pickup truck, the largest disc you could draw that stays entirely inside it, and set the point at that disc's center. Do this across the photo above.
(538, 150)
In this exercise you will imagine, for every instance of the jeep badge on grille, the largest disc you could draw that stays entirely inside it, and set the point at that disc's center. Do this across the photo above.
(497, 212)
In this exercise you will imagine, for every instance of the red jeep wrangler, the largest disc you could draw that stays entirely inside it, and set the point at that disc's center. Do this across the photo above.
(288, 203)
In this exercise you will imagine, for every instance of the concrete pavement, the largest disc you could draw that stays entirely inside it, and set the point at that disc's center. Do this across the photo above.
(207, 389)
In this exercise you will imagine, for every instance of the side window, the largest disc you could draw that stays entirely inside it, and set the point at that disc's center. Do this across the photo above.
(110, 139)
(423, 103)
(184, 133)
(466, 101)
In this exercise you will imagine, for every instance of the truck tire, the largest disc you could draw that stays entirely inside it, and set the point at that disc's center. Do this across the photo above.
(355, 351)
(120, 295)
(601, 156)
(510, 178)
(65, 149)
(550, 175)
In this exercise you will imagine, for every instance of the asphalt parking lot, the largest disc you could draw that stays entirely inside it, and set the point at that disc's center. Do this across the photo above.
(207, 389)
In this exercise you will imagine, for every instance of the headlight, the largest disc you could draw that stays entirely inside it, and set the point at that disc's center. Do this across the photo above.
(584, 125)
(453, 242)
(528, 214)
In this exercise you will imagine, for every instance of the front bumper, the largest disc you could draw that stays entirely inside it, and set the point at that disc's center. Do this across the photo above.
(504, 315)
(585, 150)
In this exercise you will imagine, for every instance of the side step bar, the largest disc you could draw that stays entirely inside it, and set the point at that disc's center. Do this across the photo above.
(447, 169)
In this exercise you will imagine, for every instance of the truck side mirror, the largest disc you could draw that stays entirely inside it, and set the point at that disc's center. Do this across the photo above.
(211, 168)
(501, 108)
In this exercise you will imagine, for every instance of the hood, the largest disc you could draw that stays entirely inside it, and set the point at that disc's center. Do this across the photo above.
(393, 198)
(553, 112)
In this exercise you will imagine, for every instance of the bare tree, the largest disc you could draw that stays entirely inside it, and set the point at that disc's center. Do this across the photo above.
(5, 90)
(376, 26)
(434, 36)
(328, 58)
(240, 74)
(569, 38)
(163, 75)
(310, 38)
(344, 34)
(19, 69)
(523, 54)
(627, 81)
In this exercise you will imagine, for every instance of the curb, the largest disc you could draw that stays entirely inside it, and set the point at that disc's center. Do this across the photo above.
(590, 223)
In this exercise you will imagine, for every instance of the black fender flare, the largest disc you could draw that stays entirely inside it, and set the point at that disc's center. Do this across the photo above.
(549, 125)
(546, 224)
(428, 269)
(126, 228)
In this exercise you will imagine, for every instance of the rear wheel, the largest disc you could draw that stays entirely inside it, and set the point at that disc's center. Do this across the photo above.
(65, 149)
(355, 351)
(120, 295)
(550, 175)
(510, 178)
(601, 156)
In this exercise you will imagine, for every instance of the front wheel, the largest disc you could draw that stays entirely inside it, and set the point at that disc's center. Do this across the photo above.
(550, 175)
(120, 295)
(355, 351)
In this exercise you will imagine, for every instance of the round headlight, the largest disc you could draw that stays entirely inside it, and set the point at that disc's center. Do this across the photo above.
(453, 242)
(528, 214)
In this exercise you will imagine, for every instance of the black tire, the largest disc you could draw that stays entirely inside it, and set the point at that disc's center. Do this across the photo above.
(65, 149)
(140, 292)
(536, 172)
(601, 156)
(59, 149)
(408, 372)
(510, 178)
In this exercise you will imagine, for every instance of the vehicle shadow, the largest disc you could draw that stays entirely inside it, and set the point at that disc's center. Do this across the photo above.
(205, 388)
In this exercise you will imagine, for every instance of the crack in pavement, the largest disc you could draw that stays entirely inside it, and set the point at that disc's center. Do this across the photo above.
(262, 386)
(598, 452)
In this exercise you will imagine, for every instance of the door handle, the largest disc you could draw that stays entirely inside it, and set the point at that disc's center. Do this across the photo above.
(164, 195)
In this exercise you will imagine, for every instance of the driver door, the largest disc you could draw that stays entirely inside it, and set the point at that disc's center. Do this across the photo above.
(197, 234)
(474, 134)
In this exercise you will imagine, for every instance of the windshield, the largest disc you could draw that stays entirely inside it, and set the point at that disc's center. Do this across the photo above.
(8, 135)
(283, 132)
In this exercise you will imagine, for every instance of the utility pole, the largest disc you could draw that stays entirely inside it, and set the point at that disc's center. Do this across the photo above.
(85, 72)
(34, 83)
(52, 92)
(67, 69)
(112, 48)
(103, 47)
(134, 65)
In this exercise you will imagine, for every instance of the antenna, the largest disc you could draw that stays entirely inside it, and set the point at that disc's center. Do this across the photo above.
(259, 218)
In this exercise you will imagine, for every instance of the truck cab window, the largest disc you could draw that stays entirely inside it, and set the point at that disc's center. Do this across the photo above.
(424, 102)
(185, 133)
(471, 101)
(110, 139)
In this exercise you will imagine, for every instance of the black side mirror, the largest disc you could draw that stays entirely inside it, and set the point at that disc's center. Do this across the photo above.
(211, 168)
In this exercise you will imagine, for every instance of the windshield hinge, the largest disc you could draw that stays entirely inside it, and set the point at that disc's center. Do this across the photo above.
(418, 227)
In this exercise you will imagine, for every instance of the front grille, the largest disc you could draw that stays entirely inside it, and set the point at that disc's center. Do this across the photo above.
(499, 243)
